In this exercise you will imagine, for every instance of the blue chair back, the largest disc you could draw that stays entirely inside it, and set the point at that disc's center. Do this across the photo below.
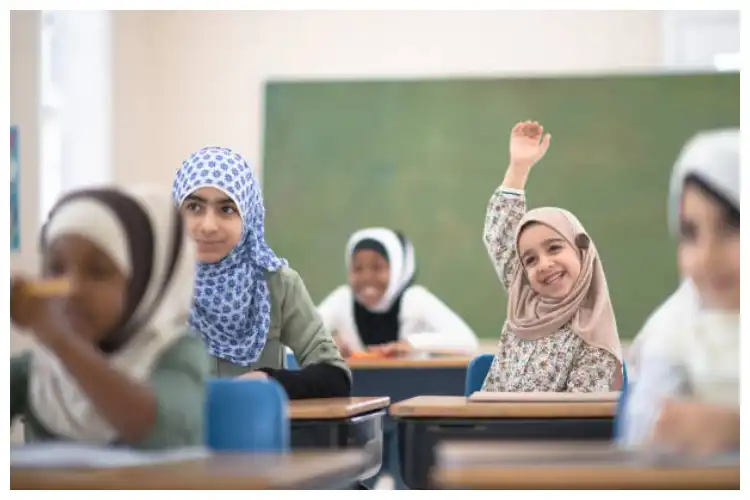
(246, 416)
(476, 373)
(291, 361)
(619, 421)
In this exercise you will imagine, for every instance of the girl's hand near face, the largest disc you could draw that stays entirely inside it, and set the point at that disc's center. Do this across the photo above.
(36, 311)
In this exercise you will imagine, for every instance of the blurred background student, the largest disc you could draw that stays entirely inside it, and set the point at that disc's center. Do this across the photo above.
(381, 309)
(686, 396)
(113, 361)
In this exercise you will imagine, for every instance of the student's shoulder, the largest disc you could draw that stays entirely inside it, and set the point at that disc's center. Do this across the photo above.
(418, 294)
(187, 349)
(665, 327)
(282, 279)
(342, 293)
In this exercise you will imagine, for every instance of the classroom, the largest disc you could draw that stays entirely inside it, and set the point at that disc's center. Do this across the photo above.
(305, 240)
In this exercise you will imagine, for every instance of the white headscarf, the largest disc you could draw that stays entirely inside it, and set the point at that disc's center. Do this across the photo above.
(400, 259)
(159, 315)
(679, 324)
(712, 156)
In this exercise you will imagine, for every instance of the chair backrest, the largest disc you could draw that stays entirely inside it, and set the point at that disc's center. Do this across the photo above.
(476, 372)
(246, 416)
(619, 421)
(291, 361)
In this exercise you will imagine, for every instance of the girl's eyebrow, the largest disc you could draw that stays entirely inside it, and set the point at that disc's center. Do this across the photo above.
(200, 199)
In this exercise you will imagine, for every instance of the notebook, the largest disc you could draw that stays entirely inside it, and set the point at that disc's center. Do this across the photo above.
(545, 397)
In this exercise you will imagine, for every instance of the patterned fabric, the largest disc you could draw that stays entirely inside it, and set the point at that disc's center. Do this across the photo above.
(231, 304)
(561, 362)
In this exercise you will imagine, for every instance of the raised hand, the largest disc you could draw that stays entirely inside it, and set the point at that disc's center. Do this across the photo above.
(528, 144)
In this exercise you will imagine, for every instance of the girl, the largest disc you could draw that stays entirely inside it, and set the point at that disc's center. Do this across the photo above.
(248, 304)
(560, 333)
(112, 360)
(687, 393)
(382, 309)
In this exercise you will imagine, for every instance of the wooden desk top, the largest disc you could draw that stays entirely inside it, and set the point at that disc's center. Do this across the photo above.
(335, 408)
(297, 470)
(538, 465)
(461, 407)
(384, 363)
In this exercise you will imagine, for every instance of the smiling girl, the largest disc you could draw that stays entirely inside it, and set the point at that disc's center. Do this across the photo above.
(382, 310)
(248, 303)
(560, 333)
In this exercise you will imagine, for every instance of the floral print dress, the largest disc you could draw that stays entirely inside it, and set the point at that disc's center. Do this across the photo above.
(561, 362)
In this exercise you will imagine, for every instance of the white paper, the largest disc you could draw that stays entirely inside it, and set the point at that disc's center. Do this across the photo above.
(76, 455)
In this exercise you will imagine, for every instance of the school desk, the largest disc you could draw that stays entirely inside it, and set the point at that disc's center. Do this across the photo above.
(404, 378)
(296, 470)
(425, 420)
(341, 423)
(550, 465)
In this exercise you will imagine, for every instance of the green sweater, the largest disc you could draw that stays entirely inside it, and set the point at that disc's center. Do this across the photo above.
(178, 380)
(295, 323)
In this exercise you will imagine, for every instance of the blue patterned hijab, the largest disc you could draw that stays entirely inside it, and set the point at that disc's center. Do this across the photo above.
(231, 303)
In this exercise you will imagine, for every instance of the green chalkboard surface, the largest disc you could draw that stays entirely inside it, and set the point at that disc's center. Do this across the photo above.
(424, 157)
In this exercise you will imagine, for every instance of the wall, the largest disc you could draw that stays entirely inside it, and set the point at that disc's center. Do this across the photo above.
(187, 79)
(24, 112)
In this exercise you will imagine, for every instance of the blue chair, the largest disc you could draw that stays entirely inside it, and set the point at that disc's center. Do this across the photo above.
(476, 373)
(619, 421)
(291, 361)
(246, 416)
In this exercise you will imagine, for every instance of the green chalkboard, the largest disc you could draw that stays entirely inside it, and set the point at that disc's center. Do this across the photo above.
(424, 156)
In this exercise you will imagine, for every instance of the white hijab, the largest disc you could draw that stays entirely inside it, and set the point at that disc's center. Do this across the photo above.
(704, 342)
(400, 259)
(55, 397)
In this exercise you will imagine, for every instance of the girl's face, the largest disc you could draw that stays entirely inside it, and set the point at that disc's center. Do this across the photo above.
(551, 264)
(369, 276)
(99, 292)
(213, 221)
(709, 248)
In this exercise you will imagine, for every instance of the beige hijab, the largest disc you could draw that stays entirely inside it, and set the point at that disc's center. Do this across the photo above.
(588, 307)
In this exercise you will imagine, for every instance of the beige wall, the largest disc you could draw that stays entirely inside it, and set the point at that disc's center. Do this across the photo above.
(188, 79)
(24, 112)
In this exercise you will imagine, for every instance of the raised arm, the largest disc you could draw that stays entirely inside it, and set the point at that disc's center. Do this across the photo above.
(504, 212)
(528, 144)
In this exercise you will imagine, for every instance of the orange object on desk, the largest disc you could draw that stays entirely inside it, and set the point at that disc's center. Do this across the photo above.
(366, 355)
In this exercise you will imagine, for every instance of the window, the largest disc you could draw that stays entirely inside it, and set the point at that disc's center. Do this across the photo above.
(702, 40)
(75, 102)
(51, 134)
